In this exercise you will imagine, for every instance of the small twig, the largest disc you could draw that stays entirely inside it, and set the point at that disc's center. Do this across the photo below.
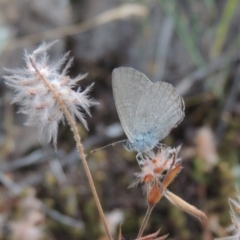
(217, 64)
(57, 170)
(122, 12)
(39, 156)
(9, 184)
(70, 160)
(145, 220)
(36, 157)
(59, 217)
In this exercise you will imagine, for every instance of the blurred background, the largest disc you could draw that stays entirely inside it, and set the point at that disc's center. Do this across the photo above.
(194, 45)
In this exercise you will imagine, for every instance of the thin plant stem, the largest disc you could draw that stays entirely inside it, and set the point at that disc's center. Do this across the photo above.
(75, 131)
(145, 220)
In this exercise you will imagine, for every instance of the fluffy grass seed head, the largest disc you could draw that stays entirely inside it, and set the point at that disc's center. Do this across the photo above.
(158, 170)
(43, 91)
(156, 165)
(154, 169)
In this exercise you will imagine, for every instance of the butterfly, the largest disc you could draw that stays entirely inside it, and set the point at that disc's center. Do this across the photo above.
(147, 111)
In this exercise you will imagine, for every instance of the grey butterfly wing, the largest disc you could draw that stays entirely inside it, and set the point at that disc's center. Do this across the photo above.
(128, 87)
(159, 110)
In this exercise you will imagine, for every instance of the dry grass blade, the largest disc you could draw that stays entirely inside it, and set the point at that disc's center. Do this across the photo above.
(186, 207)
(153, 236)
(122, 12)
(162, 237)
(223, 27)
(209, 69)
(182, 29)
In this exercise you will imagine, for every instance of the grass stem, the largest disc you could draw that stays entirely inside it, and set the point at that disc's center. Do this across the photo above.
(75, 131)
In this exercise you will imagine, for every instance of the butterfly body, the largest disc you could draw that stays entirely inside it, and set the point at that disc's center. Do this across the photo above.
(142, 142)
(148, 111)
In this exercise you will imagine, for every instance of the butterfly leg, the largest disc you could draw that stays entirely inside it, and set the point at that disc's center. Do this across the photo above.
(139, 157)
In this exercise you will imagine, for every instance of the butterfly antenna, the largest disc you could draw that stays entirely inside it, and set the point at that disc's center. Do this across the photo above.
(111, 144)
